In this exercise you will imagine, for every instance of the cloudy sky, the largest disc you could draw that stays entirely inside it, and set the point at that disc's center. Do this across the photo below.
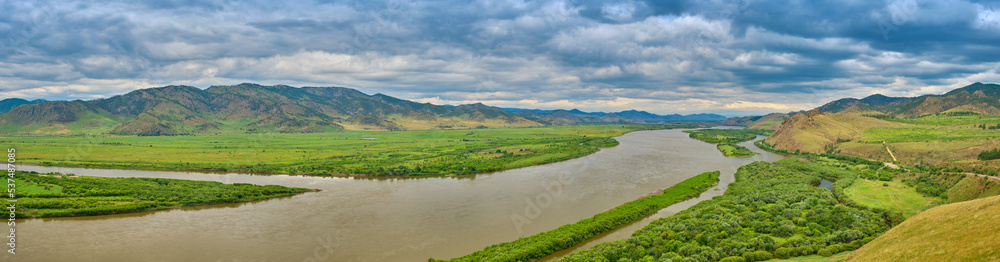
(732, 57)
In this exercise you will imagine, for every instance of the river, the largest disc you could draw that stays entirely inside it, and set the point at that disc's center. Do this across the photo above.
(393, 219)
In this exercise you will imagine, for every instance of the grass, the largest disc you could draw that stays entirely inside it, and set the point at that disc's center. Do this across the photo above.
(945, 120)
(973, 187)
(896, 196)
(430, 152)
(965, 231)
(948, 140)
(545, 243)
(816, 258)
(928, 133)
(734, 150)
(58, 195)
(767, 124)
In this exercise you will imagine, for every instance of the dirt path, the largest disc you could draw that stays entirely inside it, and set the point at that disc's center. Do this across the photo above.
(890, 152)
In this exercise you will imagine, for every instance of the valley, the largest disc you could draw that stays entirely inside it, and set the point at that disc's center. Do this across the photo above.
(888, 166)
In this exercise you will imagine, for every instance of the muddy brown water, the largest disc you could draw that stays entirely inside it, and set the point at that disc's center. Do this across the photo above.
(394, 219)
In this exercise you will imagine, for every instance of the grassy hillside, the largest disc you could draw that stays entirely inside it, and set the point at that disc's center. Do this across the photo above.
(965, 231)
(59, 195)
(951, 129)
(430, 152)
(890, 195)
(816, 131)
(950, 140)
(246, 108)
(977, 98)
(768, 122)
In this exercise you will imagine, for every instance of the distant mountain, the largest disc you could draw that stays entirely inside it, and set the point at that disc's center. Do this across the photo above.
(872, 101)
(9, 103)
(174, 110)
(561, 116)
(976, 98)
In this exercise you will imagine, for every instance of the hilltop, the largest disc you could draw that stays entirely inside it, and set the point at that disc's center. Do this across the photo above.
(770, 121)
(949, 129)
(978, 98)
(941, 233)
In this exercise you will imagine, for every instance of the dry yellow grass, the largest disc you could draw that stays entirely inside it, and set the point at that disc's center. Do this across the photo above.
(814, 130)
(964, 231)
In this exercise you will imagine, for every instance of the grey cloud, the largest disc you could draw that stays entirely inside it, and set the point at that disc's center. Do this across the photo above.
(719, 50)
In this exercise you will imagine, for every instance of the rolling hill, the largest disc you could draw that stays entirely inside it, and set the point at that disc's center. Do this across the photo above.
(949, 129)
(250, 108)
(953, 232)
(769, 121)
(975, 98)
(174, 110)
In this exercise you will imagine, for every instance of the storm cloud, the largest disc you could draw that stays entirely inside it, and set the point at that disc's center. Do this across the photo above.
(732, 57)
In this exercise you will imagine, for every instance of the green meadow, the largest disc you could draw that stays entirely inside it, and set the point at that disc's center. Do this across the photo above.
(890, 195)
(430, 152)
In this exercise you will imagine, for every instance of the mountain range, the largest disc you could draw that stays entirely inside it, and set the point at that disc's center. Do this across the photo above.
(561, 116)
(975, 98)
(860, 127)
(179, 110)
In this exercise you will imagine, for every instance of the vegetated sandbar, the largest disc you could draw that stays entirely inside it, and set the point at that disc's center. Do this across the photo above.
(61, 195)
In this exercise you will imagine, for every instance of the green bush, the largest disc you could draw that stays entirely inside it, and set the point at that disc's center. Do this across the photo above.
(990, 154)
(825, 252)
(783, 253)
(733, 259)
(757, 256)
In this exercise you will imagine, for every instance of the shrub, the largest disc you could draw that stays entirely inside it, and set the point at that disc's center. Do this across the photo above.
(825, 252)
(733, 259)
(757, 256)
(783, 253)
(844, 236)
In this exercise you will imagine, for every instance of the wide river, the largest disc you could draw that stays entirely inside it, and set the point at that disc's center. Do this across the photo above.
(397, 219)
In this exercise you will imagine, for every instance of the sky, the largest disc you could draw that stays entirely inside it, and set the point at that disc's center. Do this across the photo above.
(737, 57)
